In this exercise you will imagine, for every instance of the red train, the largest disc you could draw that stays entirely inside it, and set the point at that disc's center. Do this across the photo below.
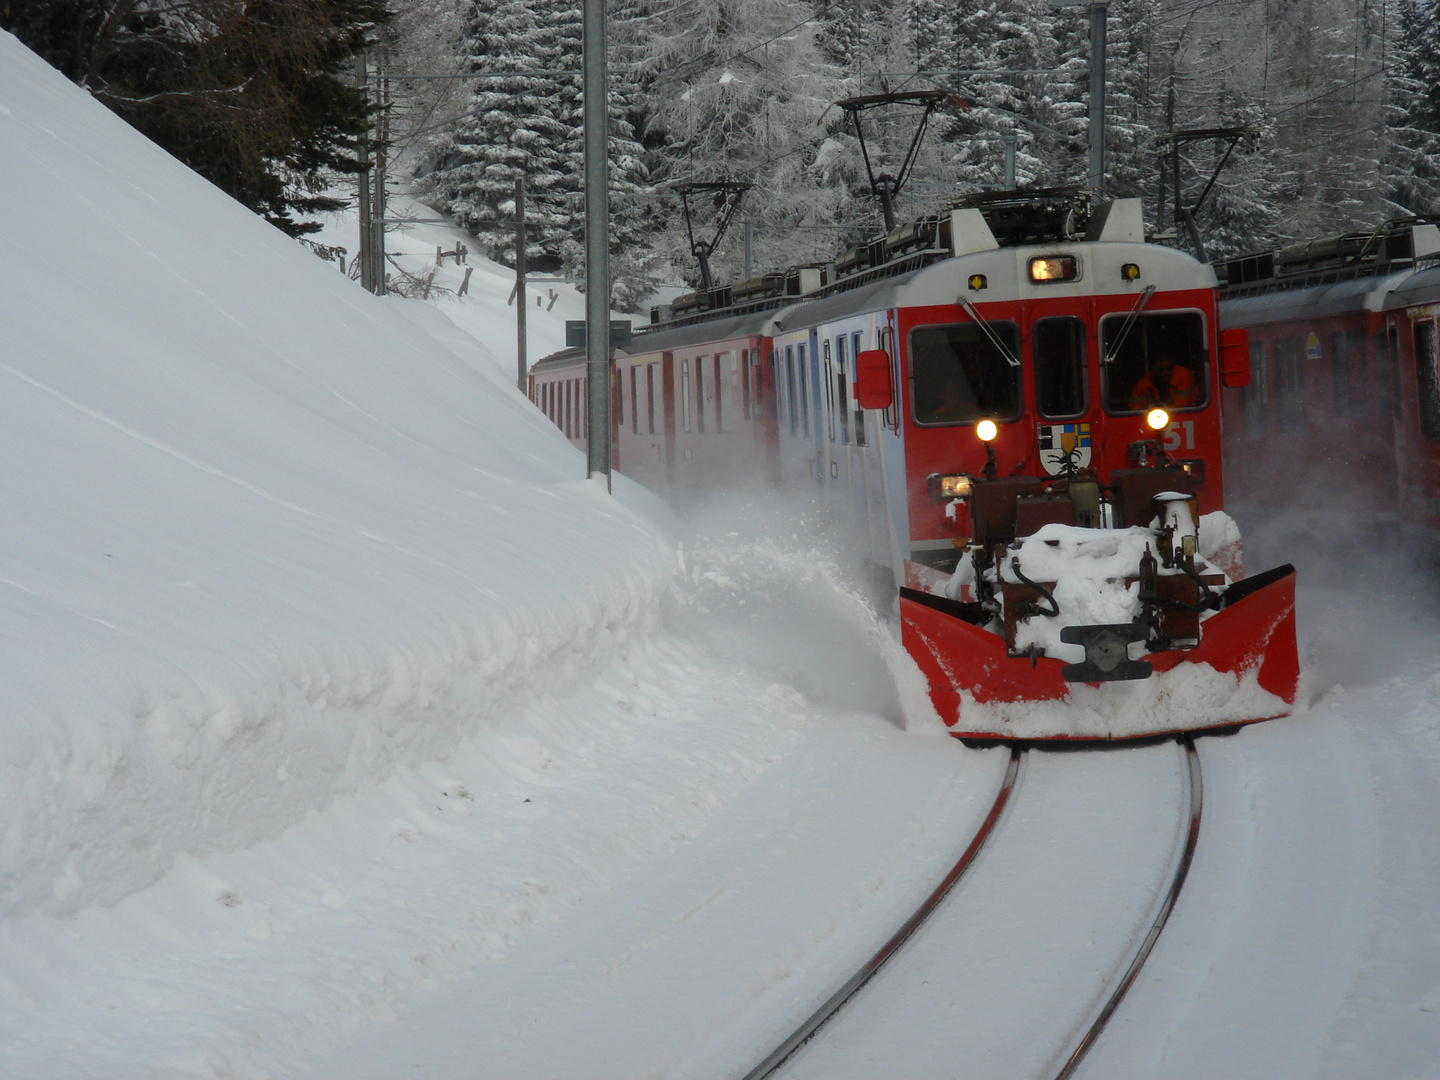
(1343, 406)
(1018, 404)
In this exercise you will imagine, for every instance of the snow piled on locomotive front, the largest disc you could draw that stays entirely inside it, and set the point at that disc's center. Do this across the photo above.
(1094, 572)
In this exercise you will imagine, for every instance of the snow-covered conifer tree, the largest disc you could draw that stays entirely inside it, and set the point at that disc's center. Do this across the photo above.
(741, 90)
(523, 125)
(1412, 166)
(528, 124)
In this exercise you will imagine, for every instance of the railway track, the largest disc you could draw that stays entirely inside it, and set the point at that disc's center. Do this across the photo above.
(813, 1024)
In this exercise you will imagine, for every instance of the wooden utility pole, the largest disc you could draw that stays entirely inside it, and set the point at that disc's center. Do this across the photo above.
(522, 366)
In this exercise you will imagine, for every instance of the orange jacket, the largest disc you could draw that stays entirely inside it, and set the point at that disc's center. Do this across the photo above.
(1183, 392)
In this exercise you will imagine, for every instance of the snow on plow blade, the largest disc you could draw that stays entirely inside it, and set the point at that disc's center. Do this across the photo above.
(1245, 669)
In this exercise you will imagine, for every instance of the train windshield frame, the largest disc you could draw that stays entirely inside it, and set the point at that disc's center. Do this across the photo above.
(958, 376)
(1137, 378)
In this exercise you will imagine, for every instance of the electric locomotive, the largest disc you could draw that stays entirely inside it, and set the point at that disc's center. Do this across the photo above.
(1016, 405)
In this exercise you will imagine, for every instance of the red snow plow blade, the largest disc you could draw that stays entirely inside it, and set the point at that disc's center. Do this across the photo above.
(1245, 669)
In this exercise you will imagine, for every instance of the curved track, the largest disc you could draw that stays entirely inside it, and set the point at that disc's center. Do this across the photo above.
(807, 1030)
(837, 1000)
(1182, 870)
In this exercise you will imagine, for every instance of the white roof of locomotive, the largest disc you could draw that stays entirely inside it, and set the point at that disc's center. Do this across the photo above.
(1120, 233)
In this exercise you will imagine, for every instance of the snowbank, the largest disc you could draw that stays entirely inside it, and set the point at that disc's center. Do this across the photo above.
(264, 541)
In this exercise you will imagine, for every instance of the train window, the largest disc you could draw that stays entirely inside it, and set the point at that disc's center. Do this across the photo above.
(804, 388)
(1427, 370)
(1387, 375)
(634, 399)
(842, 388)
(1255, 398)
(702, 394)
(724, 390)
(827, 379)
(749, 364)
(685, 393)
(1059, 347)
(958, 376)
(650, 397)
(790, 390)
(1158, 360)
(855, 350)
(1347, 372)
(1359, 372)
(1289, 384)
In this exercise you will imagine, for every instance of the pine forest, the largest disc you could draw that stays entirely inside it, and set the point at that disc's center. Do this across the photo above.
(1332, 109)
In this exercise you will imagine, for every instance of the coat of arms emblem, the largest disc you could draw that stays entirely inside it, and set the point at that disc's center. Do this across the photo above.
(1064, 447)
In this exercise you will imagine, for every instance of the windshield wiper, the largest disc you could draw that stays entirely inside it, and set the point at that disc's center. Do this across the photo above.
(1000, 346)
(1129, 322)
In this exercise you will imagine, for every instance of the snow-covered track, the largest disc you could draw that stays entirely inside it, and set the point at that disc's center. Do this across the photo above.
(867, 971)
(1182, 870)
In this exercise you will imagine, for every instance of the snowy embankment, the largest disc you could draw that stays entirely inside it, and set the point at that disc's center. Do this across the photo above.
(265, 539)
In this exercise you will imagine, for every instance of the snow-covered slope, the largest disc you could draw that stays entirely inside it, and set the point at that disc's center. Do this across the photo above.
(263, 538)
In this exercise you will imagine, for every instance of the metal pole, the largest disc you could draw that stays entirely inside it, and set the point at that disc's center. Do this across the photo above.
(749, 251)
(1098, 13)
(377, 218)
(1010, 161)
(597, 244)
(522, 364)
(362, 196)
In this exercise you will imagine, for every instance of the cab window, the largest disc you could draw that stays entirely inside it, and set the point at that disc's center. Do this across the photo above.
(1059, 348)
(1158, 360)
(959, 376)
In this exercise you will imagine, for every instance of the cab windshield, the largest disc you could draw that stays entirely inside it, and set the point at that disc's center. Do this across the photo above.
(1158, 361)
(959, 376)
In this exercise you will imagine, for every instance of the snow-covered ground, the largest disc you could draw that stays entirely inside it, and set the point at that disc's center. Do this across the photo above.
(348, 732)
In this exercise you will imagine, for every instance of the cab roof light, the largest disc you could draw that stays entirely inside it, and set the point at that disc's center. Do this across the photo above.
(977, 282)
(1048, 269)
(1130, 272)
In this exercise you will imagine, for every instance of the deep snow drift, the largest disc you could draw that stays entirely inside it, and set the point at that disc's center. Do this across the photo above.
(266, 539)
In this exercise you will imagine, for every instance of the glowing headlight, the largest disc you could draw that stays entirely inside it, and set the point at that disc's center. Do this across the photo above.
(1157, 418)
(1045, 268)
(954, 487)
(987, 430)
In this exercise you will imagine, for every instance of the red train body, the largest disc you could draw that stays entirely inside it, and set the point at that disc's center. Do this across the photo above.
(977, 394)
(1343, 406)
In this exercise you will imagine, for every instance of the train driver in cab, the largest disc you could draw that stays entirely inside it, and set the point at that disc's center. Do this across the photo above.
(1166, 384)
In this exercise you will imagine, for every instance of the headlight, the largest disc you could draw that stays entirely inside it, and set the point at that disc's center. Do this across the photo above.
(987, 430)
(948, 487)
(1157, 418)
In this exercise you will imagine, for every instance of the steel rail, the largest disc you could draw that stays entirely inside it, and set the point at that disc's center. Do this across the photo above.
(837, 1000)
(1197, 801)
